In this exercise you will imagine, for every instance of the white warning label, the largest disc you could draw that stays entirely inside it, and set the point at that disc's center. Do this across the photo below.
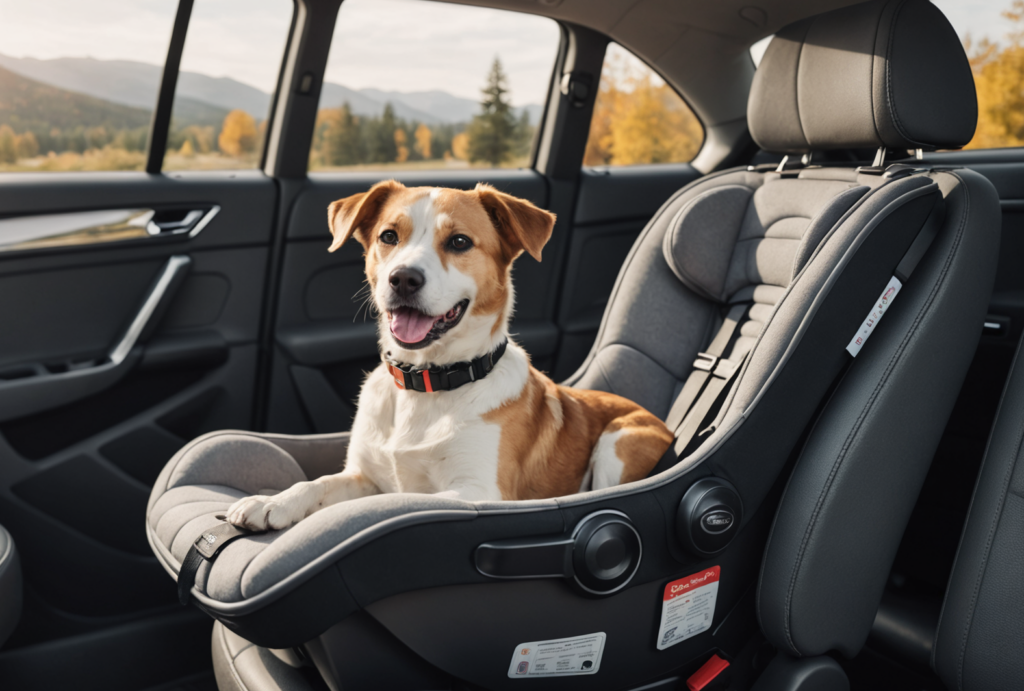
(868, 327)
(688, 607)
(561, 657)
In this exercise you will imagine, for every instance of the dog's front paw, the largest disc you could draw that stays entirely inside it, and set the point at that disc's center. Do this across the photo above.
(276, 512)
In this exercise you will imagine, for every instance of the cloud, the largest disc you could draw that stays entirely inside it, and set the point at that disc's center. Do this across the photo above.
(411, 45)
(395, 45)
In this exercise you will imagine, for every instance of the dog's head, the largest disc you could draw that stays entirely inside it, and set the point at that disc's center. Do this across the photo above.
(439, 264)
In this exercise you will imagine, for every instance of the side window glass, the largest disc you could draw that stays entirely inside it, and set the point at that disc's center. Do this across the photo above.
(638, 118)
(78, 83)
(993, 36)
(446, 87)
(229, 69)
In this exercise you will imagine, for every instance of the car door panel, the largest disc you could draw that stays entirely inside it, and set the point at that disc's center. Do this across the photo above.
(76, 471)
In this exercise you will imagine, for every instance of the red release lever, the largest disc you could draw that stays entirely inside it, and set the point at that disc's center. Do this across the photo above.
(706, 674)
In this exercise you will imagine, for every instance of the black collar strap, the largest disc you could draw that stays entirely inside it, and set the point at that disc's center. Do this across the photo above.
(432, 379)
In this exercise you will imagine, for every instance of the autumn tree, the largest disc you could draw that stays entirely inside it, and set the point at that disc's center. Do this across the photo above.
(999, 79)
(639, 119)
(343, 140)
(8, 150)
(26, 145)
(423, 137)
(460, 146)
(491, 133)
(238, 135)
(401, 150)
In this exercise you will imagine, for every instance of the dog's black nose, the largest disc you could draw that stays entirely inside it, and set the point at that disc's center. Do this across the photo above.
(406, 280)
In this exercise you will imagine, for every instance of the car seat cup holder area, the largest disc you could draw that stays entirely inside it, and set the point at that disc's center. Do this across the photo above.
(600, 557)
(709, 516)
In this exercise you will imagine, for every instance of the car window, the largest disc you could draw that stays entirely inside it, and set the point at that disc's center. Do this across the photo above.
(993, 36)
(229, 70)
(638, 118)
(78, 81)
(447, 86)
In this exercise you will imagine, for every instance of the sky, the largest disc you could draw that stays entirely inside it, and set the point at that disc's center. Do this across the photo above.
(400, 45)
(394, 45)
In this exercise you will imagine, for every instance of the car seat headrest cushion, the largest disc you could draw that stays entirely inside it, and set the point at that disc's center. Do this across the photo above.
(732, 237)
(887, 73)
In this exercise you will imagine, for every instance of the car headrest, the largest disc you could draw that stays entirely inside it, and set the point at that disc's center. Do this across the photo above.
(884, 73)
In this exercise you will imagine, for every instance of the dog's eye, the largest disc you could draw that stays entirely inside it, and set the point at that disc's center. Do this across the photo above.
(389, 237)
(460, 243)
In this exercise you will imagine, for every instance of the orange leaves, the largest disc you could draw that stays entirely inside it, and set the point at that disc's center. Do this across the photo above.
(999, 79)
(638, 118)
(238, 134)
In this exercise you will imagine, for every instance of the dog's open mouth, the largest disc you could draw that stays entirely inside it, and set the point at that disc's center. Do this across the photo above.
(414, 329)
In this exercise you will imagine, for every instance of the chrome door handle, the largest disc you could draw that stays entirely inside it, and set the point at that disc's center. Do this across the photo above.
(173, 223)
(173, 271)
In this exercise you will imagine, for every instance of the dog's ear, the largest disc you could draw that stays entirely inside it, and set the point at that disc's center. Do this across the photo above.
(522, 225)
(356, 215)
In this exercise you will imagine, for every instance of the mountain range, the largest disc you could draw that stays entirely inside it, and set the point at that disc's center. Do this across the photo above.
(202, 99)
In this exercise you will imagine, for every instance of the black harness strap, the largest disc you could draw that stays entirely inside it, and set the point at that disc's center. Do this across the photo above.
(719, 384)
(706, 365)
(206, 548)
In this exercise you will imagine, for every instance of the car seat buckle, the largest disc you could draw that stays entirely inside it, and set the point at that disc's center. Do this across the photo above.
(705, 361)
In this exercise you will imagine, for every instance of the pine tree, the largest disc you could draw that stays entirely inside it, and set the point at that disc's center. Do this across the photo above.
(492, 132)
(343, 140)
(382, 139)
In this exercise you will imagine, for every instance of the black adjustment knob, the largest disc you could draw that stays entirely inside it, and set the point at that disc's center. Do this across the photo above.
(606, 552)
(709, 516)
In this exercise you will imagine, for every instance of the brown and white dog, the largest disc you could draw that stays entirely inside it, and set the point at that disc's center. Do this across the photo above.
(439, 264)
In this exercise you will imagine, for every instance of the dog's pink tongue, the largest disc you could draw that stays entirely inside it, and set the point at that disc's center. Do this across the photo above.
(409, 325)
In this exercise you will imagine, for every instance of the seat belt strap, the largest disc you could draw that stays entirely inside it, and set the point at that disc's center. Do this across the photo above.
(206, 548)
(719, 384)
(703, 366)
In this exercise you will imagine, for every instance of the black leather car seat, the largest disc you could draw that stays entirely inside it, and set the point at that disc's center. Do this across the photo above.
(980, 639)
(419, 590)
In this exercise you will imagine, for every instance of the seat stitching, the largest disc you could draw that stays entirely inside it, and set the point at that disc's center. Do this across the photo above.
(883, 381)
(888, 79)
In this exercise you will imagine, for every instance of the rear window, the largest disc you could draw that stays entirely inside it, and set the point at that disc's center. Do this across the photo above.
(638, 118)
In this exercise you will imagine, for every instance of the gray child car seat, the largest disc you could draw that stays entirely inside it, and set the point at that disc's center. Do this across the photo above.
(422, 592)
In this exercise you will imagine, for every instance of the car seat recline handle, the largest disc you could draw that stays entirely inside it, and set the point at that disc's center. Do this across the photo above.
(599, 557)
(49, 389)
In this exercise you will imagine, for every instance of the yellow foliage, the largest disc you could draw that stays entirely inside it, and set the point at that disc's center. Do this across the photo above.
(637, 119)
(403, 150)
(422, 144)
(238, 134)
(187, 150)
(8, 145)
(460, 146)
(999, 79)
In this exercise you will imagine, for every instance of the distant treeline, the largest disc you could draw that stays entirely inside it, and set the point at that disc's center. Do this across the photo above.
(342, 138)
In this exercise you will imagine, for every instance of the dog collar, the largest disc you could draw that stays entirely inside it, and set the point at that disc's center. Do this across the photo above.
(432, 379)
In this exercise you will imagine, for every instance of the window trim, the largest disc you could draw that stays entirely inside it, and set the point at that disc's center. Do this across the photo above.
(160, 125)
